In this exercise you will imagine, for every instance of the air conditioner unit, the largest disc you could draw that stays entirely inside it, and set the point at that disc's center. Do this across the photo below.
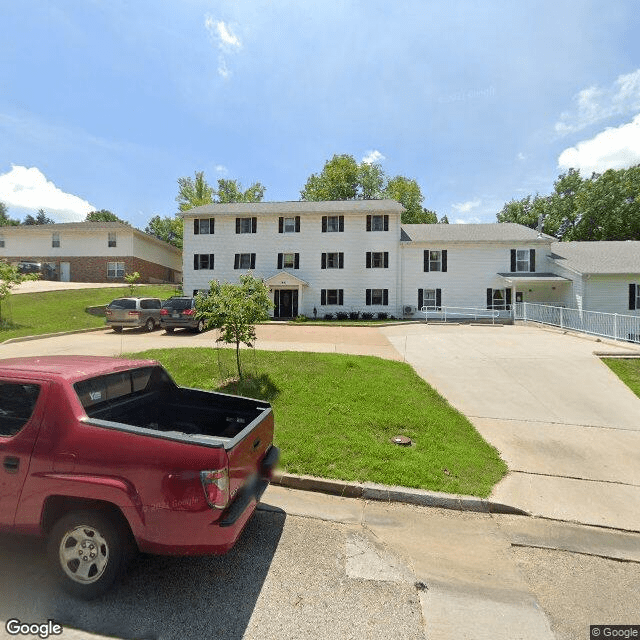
(408, 310)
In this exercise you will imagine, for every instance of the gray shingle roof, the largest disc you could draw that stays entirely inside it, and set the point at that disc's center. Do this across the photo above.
(598, 257)
(490, 232)
(297, 207)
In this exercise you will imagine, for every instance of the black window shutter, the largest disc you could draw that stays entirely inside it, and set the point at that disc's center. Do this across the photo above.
(368, 223)
(297, 224)
(386, 259)
(489, 298)
(444, 260)
(341, 260)
(280, 258)
(324, 226)
(296, 261)
(323, 296)
(340, 296)
(386, 223)
(237, 225)
(385, 296)
(236, 262)
(196, 261)
(532, 260)
(508, 301)
(368, 297)
(211, 261)
(513, 260)
(368, 259)
(340, 223)
(253, 260)
(196, 226)
(632, 297)
(420, 299)
(276, 303)
(323, 264)
(280, 225)
(438, 298)
(426, 259)
(212, 225)
(254, 225)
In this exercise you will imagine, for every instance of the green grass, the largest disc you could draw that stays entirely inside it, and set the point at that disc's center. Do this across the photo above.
(628, 370)
(335, 416)
(27, 314)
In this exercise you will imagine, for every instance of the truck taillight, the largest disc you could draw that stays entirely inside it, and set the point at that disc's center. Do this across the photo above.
(188, 312)
(216, 487)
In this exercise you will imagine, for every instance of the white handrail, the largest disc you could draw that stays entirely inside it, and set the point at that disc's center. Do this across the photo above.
(465, 312)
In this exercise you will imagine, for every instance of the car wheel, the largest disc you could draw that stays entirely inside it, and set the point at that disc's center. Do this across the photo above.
(201, 325)
(117, 329)
(150, 325)
(87, 553)
(169, 329)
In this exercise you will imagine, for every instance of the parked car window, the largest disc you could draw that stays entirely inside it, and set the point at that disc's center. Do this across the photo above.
(179, 304)
(150, 303)
(17, 402)
(123, 303)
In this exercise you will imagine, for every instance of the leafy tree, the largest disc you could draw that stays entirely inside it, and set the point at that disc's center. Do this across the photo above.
(193, 193)
(131, 279)
(5, 220)
(167, 229)
(232, 191)
(338, 180)
(104, 215)
(41, 218)
(9, 278)
(428, 217)
(372, 181)
(407, 192)
(443, 220)
(235, 309)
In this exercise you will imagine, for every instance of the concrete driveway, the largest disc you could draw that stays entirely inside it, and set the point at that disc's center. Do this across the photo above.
(564, 423)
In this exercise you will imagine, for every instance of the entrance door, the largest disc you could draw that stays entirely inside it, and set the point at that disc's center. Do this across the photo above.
(65, 271)
(285, 303)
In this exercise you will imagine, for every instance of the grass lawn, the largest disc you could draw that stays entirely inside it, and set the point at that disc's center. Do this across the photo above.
(30, 314)
(628, 370)
(335, 415)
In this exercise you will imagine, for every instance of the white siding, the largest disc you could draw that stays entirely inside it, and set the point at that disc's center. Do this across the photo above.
(610, 293)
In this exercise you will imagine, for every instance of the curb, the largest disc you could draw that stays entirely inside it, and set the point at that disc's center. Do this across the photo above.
(51, 335)
(383, 493)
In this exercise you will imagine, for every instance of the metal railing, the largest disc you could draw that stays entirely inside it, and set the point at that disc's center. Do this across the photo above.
(461, 312)
(607, 325)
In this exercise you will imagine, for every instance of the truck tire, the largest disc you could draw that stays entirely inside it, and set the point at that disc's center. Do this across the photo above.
(87, 552)
(150, 325)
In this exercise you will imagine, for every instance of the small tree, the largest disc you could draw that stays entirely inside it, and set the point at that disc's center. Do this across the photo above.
(235, 309)
(131, 279)
(9, 278)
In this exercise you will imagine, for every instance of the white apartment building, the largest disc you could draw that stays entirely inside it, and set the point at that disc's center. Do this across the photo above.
(323, 258)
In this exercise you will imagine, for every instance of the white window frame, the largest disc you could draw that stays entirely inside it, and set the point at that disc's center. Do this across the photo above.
(336, 301)
(114, 270)
(429, 299)
(204, 226)
(244, 262)
(333, 224)
(435, 260)
(377, 259)
(333, 260)
(496, 303)
(637, 295)
(377, 297)
(204, 262)
(289, 225)
(1, 241)
(245, 225)
(377, 223)
(55, 240)
(522, 260)
(112, 239)
(288, 260)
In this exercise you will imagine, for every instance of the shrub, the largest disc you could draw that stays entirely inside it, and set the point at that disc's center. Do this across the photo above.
(328, 316)
(382, 315)
(354, 315)
(342, 315)
(367, 315)
(300, 318)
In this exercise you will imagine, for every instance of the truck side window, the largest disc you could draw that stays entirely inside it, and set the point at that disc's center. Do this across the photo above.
(17, 402)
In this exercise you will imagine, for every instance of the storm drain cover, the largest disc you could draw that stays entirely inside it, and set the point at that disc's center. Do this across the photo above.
(403, 441)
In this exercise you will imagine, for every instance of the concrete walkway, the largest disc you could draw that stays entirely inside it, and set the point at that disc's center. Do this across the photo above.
(567, 427)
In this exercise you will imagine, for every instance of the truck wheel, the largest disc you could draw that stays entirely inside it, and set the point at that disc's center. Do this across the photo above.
(151, 325)
(87, 552)
(117, 329)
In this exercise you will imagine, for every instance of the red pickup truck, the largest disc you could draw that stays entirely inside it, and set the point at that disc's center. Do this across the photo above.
(106, 456)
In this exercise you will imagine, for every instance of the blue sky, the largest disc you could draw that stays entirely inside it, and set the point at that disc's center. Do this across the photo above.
(104, 104)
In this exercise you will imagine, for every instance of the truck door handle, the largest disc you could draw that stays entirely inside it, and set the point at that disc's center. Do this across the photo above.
(11, 464)
(256, 444)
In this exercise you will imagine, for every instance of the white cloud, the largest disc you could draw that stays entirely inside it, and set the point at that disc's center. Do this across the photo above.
(465, 207)
(595, 104)
(373, 156)
(613, 148)
(521, 157)
(474, 220)
(227, 41)
(220, 168)
(28, 189)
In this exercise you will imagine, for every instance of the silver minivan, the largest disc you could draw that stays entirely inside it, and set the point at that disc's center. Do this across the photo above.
(133, 312)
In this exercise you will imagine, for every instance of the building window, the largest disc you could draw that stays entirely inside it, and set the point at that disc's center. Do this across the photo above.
(112, 239)
(203, 261)
(634, 297)
(435, 260)
(245, 261)
(377, 259)
(246, 225)
(289, 225)
(332, 261)
(499, 299)
(332, 297)
(378, 223)
(55, 240)
(203, 226)
(429, 298)
(1, 241)
(288, 261)
(332, 223)
(522, 260)
(115, 269)
(377, 297)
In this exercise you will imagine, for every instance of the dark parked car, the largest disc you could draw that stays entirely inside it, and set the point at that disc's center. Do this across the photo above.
(133, 312)
(179, 312)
